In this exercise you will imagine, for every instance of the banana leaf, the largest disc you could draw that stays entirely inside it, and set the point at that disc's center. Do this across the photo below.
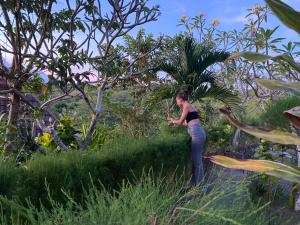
(268, 134)
(285, 13)
(294, 116)
(276, 85)
(261, 166)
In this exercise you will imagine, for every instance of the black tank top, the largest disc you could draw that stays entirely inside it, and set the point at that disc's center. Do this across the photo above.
(191, 116)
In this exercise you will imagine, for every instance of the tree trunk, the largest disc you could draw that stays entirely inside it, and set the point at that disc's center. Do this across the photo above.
(298, 155)
(13, 116)
(94, 121)
(297, 195)
(236, 137)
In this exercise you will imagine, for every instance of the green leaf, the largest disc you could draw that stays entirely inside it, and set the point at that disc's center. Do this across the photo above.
(258, 57)
(115, 25)
(219, 93)
(286, 14)
(275, 85)
(276, 136)
(291, 62)
(261, 166)
(80, 25)
(251, 56)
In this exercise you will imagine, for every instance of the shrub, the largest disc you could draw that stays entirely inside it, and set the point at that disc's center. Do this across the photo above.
(9, 174)
(273, 116)
(218, 136)
(120, 159)
(101, 135)
(166, 130)
(66, 131)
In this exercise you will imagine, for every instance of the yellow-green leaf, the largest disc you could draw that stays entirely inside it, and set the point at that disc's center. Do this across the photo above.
(258, 57)
(276, 136)
(277, 85)
(293, 115)
(261, 166)
(251, 56)
(286, 14)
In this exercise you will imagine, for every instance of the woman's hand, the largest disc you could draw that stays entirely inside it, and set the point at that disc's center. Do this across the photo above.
(170, 122)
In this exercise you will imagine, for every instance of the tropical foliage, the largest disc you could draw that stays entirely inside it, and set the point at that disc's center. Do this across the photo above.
(290, 17)
(85, 92)
(189, 70)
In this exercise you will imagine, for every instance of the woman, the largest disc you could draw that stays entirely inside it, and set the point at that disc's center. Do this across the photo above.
(190, 118)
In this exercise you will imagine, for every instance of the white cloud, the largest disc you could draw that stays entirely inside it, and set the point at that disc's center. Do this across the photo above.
(237, 19)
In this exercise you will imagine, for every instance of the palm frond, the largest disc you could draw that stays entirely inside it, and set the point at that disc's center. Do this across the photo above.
(190, 70)
(208, 58)
(174, 70)
(169, 68)
(230, 99)
(205, 77)
(159, 93)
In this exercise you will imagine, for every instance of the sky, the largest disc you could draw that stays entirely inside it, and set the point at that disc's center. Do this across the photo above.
(231, 14)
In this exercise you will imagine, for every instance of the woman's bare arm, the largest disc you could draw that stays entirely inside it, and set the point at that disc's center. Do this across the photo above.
(181, 120)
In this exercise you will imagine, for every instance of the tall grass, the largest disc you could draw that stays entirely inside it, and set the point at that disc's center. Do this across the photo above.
(149, 199)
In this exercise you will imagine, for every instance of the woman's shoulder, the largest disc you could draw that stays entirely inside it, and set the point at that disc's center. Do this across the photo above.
(191, 108)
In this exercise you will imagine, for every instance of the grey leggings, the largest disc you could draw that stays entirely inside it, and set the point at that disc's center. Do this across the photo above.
(198, 136)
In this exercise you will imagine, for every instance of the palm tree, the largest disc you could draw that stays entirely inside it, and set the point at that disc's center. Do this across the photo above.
(188, 67)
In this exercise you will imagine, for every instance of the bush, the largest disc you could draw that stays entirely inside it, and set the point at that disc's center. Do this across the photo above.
(9, 174)
(218, 136)
(101, 135)
(273, 116)
(66, 131)
(166, 130)
(72, 172)
(148, 199)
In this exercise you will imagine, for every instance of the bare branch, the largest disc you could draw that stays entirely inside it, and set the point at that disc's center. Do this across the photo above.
(36, 107)
(52, 100)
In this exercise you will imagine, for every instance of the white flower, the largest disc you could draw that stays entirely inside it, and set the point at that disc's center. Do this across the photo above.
(215, 22)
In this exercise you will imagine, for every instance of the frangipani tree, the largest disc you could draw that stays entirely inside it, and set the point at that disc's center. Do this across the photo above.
(291, 18)
(76, 43)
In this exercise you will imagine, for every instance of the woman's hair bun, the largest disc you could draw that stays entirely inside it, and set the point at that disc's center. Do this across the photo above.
(183, 94)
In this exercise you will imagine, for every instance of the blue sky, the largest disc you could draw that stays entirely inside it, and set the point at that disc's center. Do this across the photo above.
(230, 13)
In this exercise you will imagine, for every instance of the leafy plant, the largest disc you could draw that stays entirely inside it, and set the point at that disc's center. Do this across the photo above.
(101, 135)
(291, 18)
(218, 136)
(45, 140)
(66, 131)
(273, 116)
(107, 166)
(189, 68)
